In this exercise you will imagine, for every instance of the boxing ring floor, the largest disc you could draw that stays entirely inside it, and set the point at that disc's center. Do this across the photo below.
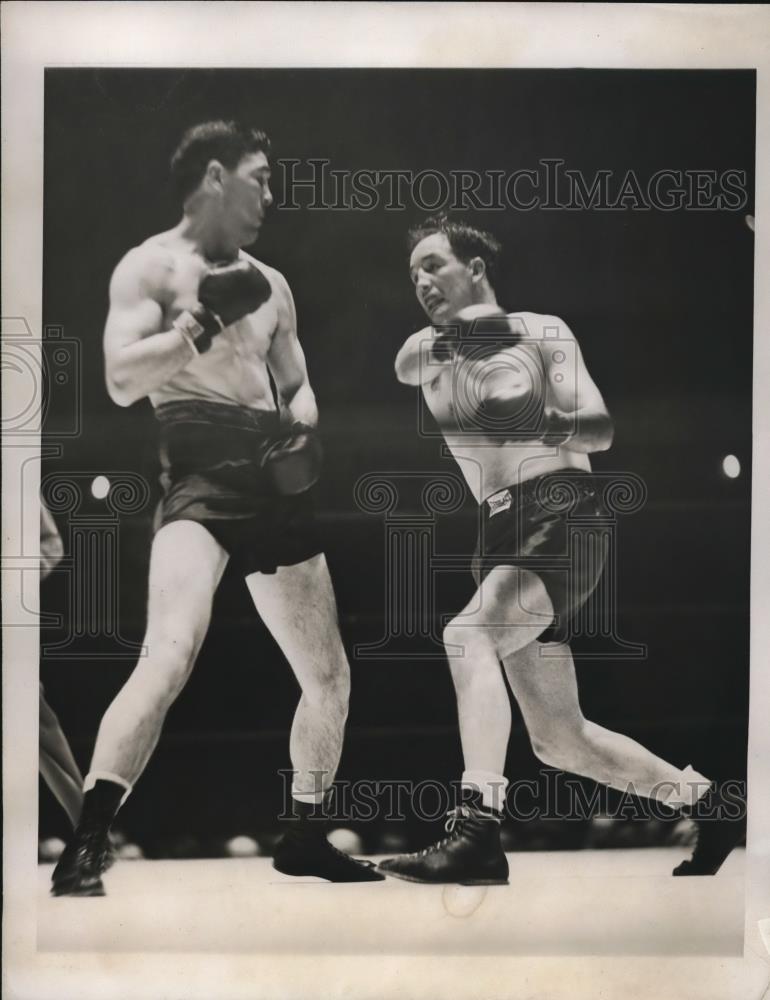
(609, 902)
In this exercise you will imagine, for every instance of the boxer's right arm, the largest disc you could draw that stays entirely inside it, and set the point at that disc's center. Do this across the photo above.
(139, 355)
(415, 363)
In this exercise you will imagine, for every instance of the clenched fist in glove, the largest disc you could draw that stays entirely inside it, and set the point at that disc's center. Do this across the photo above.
(475, 334)
(226, 293)
(293, 462)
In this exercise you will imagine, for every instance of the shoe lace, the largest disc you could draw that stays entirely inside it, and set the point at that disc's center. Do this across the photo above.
(349, 858)
(328, 848)
(453, 826)
(95, 844)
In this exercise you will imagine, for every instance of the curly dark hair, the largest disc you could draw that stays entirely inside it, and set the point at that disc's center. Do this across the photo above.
(227, 142)
(466, 241)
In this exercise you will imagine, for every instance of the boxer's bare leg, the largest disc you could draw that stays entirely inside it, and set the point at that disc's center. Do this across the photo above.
(186, 566)
(298, 606)
(509, 609)
(509, 606)
(544, 684)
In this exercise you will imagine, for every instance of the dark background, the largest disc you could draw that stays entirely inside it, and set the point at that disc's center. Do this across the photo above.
(661, 303)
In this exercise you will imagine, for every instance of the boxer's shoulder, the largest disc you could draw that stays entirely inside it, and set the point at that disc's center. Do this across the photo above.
(149, 265)
(541, 326)
(420, 338)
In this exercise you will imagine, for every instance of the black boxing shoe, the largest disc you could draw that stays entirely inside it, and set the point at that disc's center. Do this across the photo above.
(720, 821)
(471, 854)
(304, 850)
(82, 863)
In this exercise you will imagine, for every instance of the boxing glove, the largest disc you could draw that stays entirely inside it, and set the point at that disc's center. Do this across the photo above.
(226, 293)
(476, 333)
(293, 462)
(557, 427)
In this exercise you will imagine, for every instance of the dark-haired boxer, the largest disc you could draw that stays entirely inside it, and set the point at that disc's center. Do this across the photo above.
(198, 326)
(521, 414)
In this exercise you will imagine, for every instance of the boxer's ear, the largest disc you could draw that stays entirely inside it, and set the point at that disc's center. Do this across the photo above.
(214, 176)
(478, 268)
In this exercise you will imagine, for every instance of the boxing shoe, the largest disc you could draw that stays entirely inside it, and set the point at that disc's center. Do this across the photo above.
(720, 821)
(471, 854)
(82, 863)
(304, 850)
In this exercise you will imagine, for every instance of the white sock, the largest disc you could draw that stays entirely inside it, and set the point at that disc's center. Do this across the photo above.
(309, 798)
(93, 776)
(685, 792)
(492, 787)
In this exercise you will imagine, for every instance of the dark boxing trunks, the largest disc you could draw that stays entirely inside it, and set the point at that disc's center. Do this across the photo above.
(547, 525)
(210, 460)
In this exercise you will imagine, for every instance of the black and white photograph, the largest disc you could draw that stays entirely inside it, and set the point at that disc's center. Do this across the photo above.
(384, 497)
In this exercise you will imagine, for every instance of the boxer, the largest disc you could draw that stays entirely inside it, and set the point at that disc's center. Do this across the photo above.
(198, 327)
(521, 415)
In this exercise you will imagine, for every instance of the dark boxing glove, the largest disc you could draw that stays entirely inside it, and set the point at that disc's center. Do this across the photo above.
(293, 463)
(557, 427)
(226, 293)
(476, 333)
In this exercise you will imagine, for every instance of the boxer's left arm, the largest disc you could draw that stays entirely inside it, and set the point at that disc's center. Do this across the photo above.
(286, 361)
(576, 416)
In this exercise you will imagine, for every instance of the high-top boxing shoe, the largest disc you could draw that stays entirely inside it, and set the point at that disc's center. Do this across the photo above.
(304, 850)
(83, 862)
(471, 854)
(720, 819)
(89, 852)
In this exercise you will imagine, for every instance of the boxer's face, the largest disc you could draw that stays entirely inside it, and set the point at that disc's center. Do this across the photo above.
(443, 284)
(246, 196)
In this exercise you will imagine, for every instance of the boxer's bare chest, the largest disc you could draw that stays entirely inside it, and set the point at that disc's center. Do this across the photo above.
(235, 366)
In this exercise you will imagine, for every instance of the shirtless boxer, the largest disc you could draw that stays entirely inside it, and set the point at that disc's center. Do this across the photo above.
(521, 415)
(198, 326)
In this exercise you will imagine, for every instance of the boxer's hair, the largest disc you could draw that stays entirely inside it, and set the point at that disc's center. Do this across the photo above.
(466, 241)
(227, 142)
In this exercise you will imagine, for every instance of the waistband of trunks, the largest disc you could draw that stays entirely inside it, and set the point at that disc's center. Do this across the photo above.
(538, 489)
(200, 411)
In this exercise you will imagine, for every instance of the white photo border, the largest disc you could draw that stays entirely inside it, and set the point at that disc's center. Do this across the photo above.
(265, 35)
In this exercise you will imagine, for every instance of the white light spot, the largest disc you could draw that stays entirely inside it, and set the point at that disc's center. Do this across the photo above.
(242, 847)
(731, 466)
(345, 840)
(100, 487)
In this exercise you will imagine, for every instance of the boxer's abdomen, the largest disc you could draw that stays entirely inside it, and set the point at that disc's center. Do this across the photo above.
(232, 371)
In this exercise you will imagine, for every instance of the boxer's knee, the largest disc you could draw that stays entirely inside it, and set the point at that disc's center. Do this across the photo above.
(465, 640)
(171, 656)
(329, 687)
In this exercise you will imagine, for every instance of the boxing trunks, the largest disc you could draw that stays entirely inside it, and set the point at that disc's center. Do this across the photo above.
(211, 473)
(548, 525)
